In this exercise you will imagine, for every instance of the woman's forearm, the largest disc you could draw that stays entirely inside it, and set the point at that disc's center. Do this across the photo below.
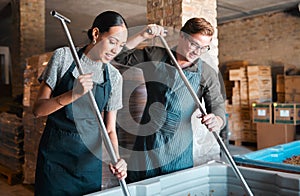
(114, 140)
(110, 119)
(44, 106)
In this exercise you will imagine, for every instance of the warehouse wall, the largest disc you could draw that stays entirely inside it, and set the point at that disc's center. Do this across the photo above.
(269, 39)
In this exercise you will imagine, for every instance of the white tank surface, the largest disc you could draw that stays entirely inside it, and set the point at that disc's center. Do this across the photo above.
(213, 179)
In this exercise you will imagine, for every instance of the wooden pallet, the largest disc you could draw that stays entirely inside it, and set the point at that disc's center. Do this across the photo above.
(13, 177)
(237, 142)
(240, 142)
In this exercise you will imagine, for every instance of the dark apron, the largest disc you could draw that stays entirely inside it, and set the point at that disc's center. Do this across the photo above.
(166, 144)
(69, 157)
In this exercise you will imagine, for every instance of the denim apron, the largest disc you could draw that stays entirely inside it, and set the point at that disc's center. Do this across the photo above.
(165, 141)
(69, 156)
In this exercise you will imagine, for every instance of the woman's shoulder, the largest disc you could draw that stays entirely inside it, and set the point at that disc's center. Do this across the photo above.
(61, 58)
(62, 54)
(62, 50)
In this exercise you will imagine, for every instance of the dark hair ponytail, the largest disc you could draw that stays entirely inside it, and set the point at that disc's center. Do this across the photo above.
(105, 20)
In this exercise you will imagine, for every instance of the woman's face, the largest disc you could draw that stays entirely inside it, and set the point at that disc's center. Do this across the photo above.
(109, 44)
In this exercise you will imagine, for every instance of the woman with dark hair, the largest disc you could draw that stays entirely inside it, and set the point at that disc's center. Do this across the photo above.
(164, 143)
(69, 157)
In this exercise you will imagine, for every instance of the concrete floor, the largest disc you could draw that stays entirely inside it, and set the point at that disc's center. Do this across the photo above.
(14, 190)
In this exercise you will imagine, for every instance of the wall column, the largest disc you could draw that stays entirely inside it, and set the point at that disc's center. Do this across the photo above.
(28, 37)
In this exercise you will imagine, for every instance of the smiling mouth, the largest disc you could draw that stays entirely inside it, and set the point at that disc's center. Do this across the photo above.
(109, 56)
(193, 56)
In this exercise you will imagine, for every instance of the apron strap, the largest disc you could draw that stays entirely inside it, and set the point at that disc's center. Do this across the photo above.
(80, 53)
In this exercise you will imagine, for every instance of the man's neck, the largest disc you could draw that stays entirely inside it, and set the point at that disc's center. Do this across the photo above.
(182, 61)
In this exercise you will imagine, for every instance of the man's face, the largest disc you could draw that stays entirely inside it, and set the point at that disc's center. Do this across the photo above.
(192, 46)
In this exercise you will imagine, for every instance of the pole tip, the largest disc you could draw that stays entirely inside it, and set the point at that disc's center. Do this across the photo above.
(53, 12)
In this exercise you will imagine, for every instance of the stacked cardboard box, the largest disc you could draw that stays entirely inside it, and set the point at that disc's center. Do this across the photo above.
(239, 99)
(262, 112)
(11, 142)
(252, 84)
(276, 123)
(287, 113)
(33, 127)
(287, 89)
(260, 89)
(292, 89)
(225, 69)
(232, 77)
(260, 83)
(274, 134)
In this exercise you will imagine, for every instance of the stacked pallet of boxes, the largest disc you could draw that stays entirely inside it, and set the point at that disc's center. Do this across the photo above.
(33, 127)
(287, 113)
(226, 76)
(260, 91)
(277, 122)
(239, 99)
(260, 83)
(11, 146)
(252, 83)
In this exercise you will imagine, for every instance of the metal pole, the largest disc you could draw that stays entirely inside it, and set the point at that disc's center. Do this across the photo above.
(198, 103)
(93, 102)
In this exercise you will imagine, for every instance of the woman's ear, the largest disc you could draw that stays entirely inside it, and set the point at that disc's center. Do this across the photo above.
(95, 33)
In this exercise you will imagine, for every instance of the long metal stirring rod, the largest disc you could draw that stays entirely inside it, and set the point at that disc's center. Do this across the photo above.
(197, 101)
(93, 102)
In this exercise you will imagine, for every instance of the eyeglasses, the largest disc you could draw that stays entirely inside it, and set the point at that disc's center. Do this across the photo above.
(194, 46)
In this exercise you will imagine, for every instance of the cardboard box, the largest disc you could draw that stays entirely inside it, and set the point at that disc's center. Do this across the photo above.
(290, 84)
(287, 113)
(261, 95)
(234, 75)
(258, 70)
(274, 134)
(262, 112)
(292, 97)
(291, 89)
(260, 83)
(281, 97)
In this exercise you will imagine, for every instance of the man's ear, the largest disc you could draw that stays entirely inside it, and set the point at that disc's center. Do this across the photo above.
(181, 34)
